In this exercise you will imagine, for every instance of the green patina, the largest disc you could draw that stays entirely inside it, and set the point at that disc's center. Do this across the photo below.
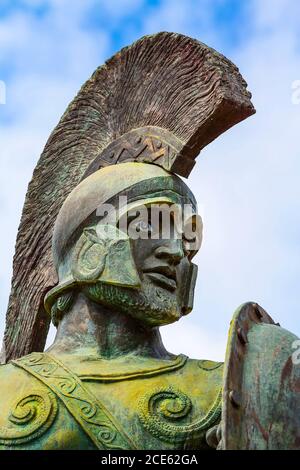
(107, 382)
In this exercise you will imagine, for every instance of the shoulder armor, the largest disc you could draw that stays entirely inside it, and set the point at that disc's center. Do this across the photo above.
(27, 410)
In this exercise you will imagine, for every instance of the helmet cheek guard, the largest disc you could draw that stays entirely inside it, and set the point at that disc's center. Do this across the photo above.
(104, 255)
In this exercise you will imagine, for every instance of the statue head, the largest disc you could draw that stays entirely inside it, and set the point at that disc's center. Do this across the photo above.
(155, 104)
(125, 237)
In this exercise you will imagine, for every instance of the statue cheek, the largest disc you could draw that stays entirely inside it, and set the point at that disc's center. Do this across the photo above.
(142, 250)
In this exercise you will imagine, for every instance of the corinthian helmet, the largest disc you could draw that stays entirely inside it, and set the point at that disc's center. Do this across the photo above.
(158, 102)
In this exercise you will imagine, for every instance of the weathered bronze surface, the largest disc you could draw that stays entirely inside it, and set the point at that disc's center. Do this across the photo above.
(261, 394)
(108, 382)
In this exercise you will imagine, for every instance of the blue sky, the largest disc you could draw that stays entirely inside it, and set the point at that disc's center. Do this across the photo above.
(246, 182)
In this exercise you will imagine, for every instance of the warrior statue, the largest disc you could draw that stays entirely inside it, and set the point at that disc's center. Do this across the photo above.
(90, 259)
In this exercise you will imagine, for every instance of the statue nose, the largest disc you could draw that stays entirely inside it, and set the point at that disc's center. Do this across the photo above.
(172, 252)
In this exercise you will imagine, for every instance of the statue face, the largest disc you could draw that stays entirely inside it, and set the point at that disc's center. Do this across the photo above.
(143, 267)
(163, 262)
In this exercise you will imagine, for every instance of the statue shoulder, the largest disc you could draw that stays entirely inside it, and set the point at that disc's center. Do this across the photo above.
(12, 381)
(204, 379)
(31, 416)
(208, 371)
(27, 408)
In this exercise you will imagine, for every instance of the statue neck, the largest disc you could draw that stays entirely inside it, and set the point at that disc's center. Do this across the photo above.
(90, 329)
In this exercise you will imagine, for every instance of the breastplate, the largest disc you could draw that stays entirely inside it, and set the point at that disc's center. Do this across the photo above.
(163, 405)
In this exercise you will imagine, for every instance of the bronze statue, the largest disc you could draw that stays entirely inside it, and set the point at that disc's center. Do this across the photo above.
(113, 277)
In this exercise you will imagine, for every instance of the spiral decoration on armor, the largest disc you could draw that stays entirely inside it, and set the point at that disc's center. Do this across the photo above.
(163, 410)
(93, 417)
(30, 417)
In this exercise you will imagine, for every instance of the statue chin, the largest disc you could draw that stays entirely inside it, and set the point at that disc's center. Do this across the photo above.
(152, 305)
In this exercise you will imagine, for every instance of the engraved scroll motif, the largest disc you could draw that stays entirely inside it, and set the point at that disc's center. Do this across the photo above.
(162, 411)
(30, 417)
(94, 419)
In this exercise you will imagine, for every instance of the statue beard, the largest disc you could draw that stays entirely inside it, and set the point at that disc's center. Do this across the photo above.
(152, 305)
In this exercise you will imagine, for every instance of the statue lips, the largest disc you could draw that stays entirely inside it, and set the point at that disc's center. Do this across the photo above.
(164, 276)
